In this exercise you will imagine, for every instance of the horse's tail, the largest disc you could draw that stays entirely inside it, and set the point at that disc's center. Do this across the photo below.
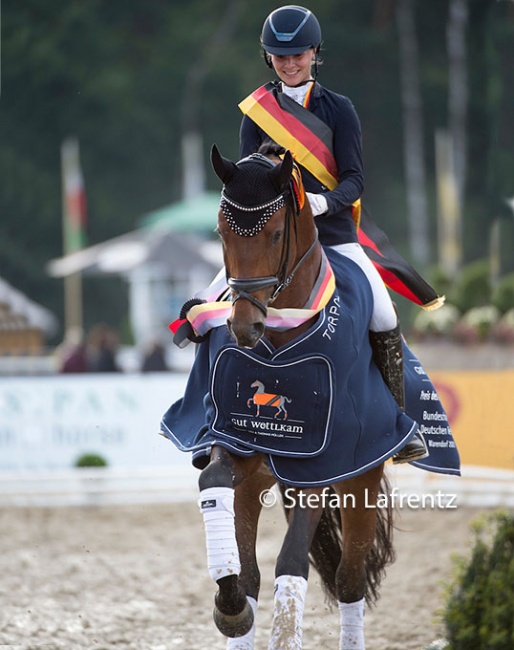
(325, 553)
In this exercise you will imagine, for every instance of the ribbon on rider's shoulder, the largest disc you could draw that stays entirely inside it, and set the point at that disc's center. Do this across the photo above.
(311, 145)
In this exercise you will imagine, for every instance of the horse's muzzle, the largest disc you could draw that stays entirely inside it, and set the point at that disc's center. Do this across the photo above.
(246, 335)
(246, 325)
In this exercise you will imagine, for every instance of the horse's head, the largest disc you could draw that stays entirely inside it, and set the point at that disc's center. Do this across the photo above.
(257, 224)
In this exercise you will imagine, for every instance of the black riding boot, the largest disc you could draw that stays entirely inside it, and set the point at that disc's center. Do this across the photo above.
(388, 355)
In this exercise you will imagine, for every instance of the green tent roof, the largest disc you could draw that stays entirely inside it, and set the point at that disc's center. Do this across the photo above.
(200, 213)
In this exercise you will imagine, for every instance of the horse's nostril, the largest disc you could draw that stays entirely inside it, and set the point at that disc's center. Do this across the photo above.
(259, 329)
(246, 336)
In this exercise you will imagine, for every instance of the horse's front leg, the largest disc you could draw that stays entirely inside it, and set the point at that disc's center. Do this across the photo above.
(233, 613)
(303, 511)
(248, 505)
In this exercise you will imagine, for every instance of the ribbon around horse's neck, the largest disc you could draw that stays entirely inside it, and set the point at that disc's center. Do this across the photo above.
(211, 308)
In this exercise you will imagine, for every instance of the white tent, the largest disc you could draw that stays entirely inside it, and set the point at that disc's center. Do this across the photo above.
(165, 262)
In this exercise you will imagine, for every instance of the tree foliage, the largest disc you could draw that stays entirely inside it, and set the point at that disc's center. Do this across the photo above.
(128, 78)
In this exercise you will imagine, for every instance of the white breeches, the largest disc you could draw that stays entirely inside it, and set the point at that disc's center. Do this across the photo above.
(384, 316)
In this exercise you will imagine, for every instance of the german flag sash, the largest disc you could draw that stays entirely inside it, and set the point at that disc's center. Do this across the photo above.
(310, 141)
(281, 117)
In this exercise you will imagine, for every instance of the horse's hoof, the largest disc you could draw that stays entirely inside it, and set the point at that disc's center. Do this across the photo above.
(236, 625)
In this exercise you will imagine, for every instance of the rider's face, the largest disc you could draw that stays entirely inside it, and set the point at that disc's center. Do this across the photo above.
(294, 69)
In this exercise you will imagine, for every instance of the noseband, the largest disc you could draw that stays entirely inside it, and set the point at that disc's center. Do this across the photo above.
(244, 287)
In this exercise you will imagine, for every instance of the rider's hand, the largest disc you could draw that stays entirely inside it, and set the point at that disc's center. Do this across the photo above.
(318, 203)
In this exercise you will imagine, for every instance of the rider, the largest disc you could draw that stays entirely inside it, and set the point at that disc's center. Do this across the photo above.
(291, 43)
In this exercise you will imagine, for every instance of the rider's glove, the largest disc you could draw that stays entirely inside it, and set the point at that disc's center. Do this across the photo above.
(318, 203)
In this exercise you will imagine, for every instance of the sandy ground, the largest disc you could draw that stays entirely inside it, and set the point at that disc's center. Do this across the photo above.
(134, 577)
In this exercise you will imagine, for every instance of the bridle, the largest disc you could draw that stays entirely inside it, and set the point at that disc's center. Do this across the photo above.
(242, 288)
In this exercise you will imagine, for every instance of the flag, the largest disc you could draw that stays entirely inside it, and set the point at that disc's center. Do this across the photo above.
(394, 270)
(74, 197)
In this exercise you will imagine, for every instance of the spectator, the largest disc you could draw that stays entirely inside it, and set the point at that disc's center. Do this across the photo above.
(72, 353)
(101, 349)
(154, 359)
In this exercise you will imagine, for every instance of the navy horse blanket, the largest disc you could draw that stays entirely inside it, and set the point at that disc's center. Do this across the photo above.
(318, 406)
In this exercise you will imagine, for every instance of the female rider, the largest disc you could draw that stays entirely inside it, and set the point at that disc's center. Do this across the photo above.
(291, 42)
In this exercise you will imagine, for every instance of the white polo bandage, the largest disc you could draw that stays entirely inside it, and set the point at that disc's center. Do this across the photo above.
(289, 602)
(217, 508)
(352, 625)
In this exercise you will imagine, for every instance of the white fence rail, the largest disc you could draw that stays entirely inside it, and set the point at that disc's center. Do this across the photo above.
(98, 486)
(413, 488)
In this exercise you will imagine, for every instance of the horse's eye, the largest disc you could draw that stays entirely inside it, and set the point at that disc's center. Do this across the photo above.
(276, 237)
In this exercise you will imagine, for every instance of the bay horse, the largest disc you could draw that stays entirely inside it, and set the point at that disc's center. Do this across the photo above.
(273, 259)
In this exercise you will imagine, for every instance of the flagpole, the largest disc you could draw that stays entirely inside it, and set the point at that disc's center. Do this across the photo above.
(72, 204)
(449, 223)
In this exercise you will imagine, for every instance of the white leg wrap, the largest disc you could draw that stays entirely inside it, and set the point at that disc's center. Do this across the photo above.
(352, 626)
(288, 608)
(245, 642)
(217, 507)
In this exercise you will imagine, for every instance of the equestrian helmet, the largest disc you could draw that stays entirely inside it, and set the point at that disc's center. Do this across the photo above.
(290, 30)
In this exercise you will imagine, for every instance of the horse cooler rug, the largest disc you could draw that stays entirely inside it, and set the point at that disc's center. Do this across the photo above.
(317, 407)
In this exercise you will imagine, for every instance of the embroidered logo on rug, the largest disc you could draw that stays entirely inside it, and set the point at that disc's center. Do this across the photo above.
(262, 398)
(281, 407)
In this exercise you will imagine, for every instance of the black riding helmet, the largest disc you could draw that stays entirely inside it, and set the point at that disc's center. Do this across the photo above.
(290, 30)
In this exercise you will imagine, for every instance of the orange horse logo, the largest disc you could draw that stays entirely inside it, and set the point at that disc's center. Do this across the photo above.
(262, 398)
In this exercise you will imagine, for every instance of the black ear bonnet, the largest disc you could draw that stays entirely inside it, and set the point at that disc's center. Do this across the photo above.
(254, 189)
(250, 198)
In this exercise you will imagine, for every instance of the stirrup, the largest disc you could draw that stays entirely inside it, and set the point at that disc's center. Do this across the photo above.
(415, 449)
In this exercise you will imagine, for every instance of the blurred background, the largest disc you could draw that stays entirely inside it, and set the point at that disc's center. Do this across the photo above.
(121, 102)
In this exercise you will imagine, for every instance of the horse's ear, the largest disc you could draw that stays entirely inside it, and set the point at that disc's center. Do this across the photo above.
(223, 167)
(281, 174)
